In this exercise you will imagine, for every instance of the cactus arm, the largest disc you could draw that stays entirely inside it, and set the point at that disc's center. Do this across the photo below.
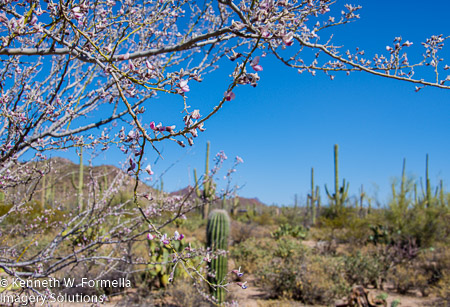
(331, 197)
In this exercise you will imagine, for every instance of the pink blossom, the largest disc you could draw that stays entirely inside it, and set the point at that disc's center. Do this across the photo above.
(150, 236)
(243, 285)
(407, 43)
(152, 126)
(255, 64)
(238, 272)
(239, 160)
(178, 236)
(196, 114)
(201, 128)
(265, 32)
(132, 165)
(148, 169)
(237, 25)
(184, 85)
(170, 128)
(288, 39)
(125, 56)
(149, 65)
(160, 127)
(3, 18)
(164, 240)
(77, 13)
(229, 96)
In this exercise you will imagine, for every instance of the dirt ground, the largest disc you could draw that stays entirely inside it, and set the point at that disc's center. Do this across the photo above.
(254, 297)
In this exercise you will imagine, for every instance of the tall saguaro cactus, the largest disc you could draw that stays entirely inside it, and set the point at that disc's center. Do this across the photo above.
(217, 231)
(80, 186)
(209, 190)
(340, 192)
(427, 184)
(313, 197)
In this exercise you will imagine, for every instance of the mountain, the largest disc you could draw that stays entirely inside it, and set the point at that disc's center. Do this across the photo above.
(57, 180)
(244, 202)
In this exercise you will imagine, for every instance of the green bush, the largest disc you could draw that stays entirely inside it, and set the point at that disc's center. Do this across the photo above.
(288, 230)
(312, 279)
(252, 253)
(363, 269)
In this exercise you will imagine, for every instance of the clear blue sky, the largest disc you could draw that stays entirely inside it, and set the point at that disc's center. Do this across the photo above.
(290, 122)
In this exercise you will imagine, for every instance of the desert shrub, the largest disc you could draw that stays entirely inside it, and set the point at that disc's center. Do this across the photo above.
(193, 222)
(345, 227)
(406, 277)
(182, 293)
(265, 219)
(289, 230)
(242, 231)
(442, 290)
(426, 270)
(363, 269)
(288, 247)
(312, 279)
(257, 252)
(252, 253)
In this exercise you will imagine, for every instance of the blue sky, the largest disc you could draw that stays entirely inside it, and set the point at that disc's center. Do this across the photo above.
(290, 122)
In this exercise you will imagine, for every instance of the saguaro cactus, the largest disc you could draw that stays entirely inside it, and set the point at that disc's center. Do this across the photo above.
(235, 205)
(217, 231)
(362, 195)
(314, 198)
(80, 186)
(209, 189)
(428, 196)
(340, 193)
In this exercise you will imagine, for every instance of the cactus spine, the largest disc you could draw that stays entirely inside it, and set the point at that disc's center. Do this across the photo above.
(209, 190)
(340, 193)
(79, 187)
(217, 231)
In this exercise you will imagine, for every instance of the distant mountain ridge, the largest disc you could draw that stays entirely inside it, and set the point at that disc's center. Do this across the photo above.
(244, 202)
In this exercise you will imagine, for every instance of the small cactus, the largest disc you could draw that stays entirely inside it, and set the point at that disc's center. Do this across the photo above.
(217, 231)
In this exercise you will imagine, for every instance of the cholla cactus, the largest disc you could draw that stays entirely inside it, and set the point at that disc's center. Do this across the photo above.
(217, 231)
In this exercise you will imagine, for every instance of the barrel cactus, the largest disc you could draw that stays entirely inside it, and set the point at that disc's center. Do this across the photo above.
(217, 231)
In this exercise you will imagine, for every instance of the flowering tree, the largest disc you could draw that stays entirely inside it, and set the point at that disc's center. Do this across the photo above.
(68, 69)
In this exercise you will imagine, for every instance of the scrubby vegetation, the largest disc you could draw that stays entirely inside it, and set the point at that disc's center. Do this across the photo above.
(314, 253)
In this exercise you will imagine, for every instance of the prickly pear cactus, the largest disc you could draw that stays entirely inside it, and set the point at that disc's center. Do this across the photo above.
(217, 231)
